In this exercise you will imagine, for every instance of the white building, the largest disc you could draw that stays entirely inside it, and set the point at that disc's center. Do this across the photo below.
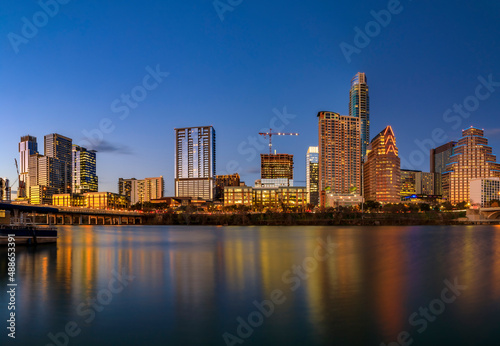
(483, 190)
(195, 162)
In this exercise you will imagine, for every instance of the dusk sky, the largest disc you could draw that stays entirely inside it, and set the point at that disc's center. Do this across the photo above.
(237, 70)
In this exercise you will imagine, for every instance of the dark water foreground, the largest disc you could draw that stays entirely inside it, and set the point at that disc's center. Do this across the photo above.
(175, 285)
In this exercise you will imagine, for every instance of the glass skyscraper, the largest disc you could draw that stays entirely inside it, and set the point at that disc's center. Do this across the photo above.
(195, 162)
(84, 170)
(59, 148)
(359, 107)
(312, 175)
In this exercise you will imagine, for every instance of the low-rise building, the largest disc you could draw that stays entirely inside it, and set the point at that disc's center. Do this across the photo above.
(336, 200)
(92, 200)
(238, 195)
(293, 197)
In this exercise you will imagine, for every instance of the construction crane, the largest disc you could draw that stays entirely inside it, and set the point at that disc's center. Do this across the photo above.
(270, 134)
(20, 190)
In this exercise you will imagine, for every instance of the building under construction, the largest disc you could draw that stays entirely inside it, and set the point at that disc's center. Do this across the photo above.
(276, 166)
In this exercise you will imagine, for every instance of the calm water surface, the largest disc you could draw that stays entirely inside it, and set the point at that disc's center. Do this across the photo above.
(165, 285)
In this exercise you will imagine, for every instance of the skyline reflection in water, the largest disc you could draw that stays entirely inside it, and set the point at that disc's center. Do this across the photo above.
(191, 284)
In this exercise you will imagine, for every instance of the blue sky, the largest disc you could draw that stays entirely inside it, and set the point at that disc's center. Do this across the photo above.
(237, 73)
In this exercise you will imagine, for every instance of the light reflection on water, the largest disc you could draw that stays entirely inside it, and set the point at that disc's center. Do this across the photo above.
(191, 283)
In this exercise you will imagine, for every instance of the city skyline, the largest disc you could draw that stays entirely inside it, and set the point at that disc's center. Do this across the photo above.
(242, 80)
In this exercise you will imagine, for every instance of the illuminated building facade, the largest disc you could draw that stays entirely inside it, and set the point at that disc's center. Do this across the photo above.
(222, 181)
(276, 170)
(359, 107)
(483, 191)
(382, 176)
(238, 195)
(27, 147)
(472, 158)
(408, 182)
(105, 200)
(290, 197)
(312, 175)
(84, 170)
(440, 157)
(339, 154)
(195, 162)
(59, 148)
(140, 191)
(154, 188)
(417, 183)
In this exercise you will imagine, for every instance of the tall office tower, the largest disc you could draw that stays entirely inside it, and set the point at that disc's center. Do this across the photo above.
(195, 162)
(222, 181)
(84, 170)
(359, 107)
(440, 157)
(312, 175)
(27, 147)
(60, 148)
(43, 178)
(472, 158)
(153, 188)
(382, 175)
(339, 154)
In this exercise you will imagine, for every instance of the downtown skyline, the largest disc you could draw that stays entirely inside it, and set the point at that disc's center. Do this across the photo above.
(228, 74)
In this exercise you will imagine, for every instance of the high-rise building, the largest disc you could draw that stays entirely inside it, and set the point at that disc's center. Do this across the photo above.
(408, 182)
(59, 147)
(140, 191)
(417, 183)
(359, 107)
(484, 190)
(84, 170)
(382, 175)
(440, 157)
(472, 158)
(426, 182)
(27, 147)
(312, 175)
(43, 175)
(339, 154)
(195, 162)
(222, 181)
(153, 188)
(276, 170)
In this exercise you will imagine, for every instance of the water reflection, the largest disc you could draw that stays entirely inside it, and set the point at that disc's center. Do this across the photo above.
(192, 283)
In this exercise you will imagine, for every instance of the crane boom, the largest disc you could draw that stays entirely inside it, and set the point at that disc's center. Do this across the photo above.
(270, 134)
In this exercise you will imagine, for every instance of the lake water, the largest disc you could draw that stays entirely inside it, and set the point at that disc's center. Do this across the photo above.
(174, 285)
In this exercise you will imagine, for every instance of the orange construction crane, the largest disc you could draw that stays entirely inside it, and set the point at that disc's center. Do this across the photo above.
(270, 135)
